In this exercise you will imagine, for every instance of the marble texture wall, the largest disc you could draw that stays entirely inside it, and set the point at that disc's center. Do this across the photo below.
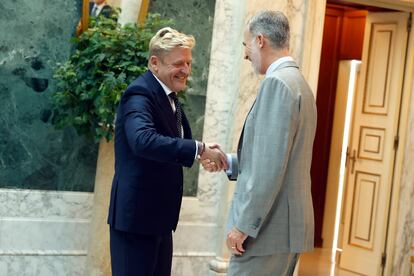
(196, 18)
(44, 232)
(129, 11)
(404, 238)
(34, 36)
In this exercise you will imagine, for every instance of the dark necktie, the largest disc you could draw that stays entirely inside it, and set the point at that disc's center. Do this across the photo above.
(178, 112)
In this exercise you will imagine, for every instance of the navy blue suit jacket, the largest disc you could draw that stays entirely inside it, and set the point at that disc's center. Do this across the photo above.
(106, 10)
(148, 183)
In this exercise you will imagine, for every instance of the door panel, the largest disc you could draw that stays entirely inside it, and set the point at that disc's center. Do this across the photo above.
(380, 58)
(363, 208)
(371, 154)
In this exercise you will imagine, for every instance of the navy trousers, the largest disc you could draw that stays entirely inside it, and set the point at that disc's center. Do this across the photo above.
(140, 255)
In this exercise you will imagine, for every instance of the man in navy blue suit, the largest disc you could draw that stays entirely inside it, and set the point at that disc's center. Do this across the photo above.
(152, 143)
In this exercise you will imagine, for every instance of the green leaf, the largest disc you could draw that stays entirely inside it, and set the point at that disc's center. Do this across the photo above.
(89, 85)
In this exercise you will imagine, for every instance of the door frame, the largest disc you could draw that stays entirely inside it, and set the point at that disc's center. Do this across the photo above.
(313, 26)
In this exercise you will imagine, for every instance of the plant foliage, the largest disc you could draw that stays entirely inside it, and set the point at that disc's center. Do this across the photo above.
(106, 59)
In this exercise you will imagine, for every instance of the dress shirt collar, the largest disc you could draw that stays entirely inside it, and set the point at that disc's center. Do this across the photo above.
(166, 89)
(276, 64)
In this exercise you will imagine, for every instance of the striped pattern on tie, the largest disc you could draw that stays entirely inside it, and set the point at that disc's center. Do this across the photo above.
(178, 112)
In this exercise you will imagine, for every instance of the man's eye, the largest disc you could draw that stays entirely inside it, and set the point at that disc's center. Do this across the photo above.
(180, 64)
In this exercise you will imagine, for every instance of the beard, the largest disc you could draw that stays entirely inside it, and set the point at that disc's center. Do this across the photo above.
(256, 59)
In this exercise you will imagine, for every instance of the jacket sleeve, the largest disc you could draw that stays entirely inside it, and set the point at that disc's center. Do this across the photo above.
(139, 115)
(275, 122)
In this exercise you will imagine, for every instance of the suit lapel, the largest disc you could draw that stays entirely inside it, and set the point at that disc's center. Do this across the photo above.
(240, 144)
(186, 126)
(165, 107)
(163, 102)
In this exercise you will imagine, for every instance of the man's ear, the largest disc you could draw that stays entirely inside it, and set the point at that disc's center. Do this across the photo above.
(260, 40)
(153, 61)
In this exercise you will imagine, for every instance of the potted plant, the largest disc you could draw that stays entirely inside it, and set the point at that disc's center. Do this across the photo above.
(106, 59)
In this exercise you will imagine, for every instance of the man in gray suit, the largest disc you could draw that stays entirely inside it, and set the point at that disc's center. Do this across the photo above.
(271, 215)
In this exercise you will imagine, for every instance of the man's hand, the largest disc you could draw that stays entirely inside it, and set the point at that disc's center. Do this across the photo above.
(209, 165)
(213, 158)
(235, 241)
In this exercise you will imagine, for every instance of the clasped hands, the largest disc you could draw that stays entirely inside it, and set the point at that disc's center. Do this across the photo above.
(213, 158)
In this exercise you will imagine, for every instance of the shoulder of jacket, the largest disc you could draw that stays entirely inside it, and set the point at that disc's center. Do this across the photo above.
(138, 87)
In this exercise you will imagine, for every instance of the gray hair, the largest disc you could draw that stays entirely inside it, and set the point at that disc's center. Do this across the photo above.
(272, 24)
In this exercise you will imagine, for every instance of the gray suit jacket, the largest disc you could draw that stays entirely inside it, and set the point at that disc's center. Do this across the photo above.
(272, 202)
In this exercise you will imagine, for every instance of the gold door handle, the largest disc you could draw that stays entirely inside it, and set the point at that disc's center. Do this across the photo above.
(352, 160)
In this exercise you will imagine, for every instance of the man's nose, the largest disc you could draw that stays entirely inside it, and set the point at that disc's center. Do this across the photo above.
(186, 69)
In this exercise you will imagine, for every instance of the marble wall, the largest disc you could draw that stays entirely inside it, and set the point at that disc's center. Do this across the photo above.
(33, 154)
(196, 18)
(44, 232)
(404, 237)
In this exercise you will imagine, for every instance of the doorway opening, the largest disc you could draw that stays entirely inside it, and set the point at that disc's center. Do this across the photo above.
(341, 56)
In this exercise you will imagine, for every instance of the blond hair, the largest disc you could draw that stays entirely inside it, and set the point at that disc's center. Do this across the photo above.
(166, 39)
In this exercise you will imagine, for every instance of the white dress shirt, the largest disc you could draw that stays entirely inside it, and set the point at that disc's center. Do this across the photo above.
(168, 91)
(276, 63)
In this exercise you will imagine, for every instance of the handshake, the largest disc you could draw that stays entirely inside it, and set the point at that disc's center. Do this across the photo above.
(212, 158)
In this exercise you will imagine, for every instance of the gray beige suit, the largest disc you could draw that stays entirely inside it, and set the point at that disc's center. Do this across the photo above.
(272, 202)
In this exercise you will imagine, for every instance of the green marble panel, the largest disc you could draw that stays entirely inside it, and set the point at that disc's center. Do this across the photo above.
(193, 17)
(34, 35)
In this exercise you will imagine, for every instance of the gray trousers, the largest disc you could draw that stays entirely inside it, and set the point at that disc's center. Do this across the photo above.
(282, 264)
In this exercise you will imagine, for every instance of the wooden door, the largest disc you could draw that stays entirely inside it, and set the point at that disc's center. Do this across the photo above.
(372, 144)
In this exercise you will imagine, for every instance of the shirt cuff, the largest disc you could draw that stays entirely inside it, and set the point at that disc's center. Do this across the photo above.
(229, 171)
(196, 151)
